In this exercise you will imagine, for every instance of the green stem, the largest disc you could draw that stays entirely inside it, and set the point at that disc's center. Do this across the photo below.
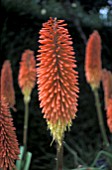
(25, 132)
(86, 168)
(100, 118)
(59, 157)
(25, 135)
(74, 153)
(99, 154)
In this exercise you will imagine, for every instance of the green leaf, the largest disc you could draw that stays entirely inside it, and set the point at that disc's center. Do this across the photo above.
(28, 160)
(19, 162)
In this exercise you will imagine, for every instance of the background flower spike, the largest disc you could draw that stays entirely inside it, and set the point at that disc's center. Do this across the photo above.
(93, 65)
(26, 80)
(107, 86)
(27, 74)
(93, 73)
(7, 88)
(9, 149)
(109, 115)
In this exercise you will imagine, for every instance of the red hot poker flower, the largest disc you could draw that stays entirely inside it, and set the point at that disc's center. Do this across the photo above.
(9, 149)
(93, 65)
(7, 88)
(109, 114)
(27, 73)
(107, 85)
(57, 79)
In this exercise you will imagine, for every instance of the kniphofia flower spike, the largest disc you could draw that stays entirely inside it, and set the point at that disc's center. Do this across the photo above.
(57, 79)
(27, 73)
(107, 85)
(109, 114)
(9, 149)
(93, 66)
(7, 88)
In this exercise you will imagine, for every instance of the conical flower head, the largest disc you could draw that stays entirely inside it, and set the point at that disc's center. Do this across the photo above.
(107, 85)
(7, 88)
(27, 73)
(109, 114)
(93, 66)
(57, 79)
(9, 149)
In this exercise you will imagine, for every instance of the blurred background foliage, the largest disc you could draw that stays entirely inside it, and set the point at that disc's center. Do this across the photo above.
(21, 21)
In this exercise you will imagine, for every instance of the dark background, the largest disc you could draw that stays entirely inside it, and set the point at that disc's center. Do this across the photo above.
(21, 21)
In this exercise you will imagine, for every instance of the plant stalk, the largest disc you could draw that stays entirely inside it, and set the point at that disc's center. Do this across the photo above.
(100, 118)
(74, 153)
(25, 134)
(59, 157)
(25, 130)
(107, 155)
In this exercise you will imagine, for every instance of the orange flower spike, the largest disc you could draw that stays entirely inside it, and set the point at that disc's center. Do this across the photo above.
(109, 114)
(27, 73)
(7, 88)
(57, 79)
(93, 65)
(107, 85)
(9, 149)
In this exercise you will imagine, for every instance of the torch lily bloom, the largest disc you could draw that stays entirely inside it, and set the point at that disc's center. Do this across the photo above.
(107, 85)
(9, 149)
(93, 66)
(57, 79)
(27, 73)
(109, 115)
(7, 88)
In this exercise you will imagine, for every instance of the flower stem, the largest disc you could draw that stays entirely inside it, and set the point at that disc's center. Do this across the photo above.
(25, 131)
(25, 135)
(100, 117)
(74, 153)
(59, 157)
(108, 155)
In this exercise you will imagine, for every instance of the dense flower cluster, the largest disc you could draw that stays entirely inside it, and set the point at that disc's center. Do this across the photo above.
(57, 79)
(109, 114)
(93, 67)
(107, 85)
(7, 88)
(27, 72)
(9, 149)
